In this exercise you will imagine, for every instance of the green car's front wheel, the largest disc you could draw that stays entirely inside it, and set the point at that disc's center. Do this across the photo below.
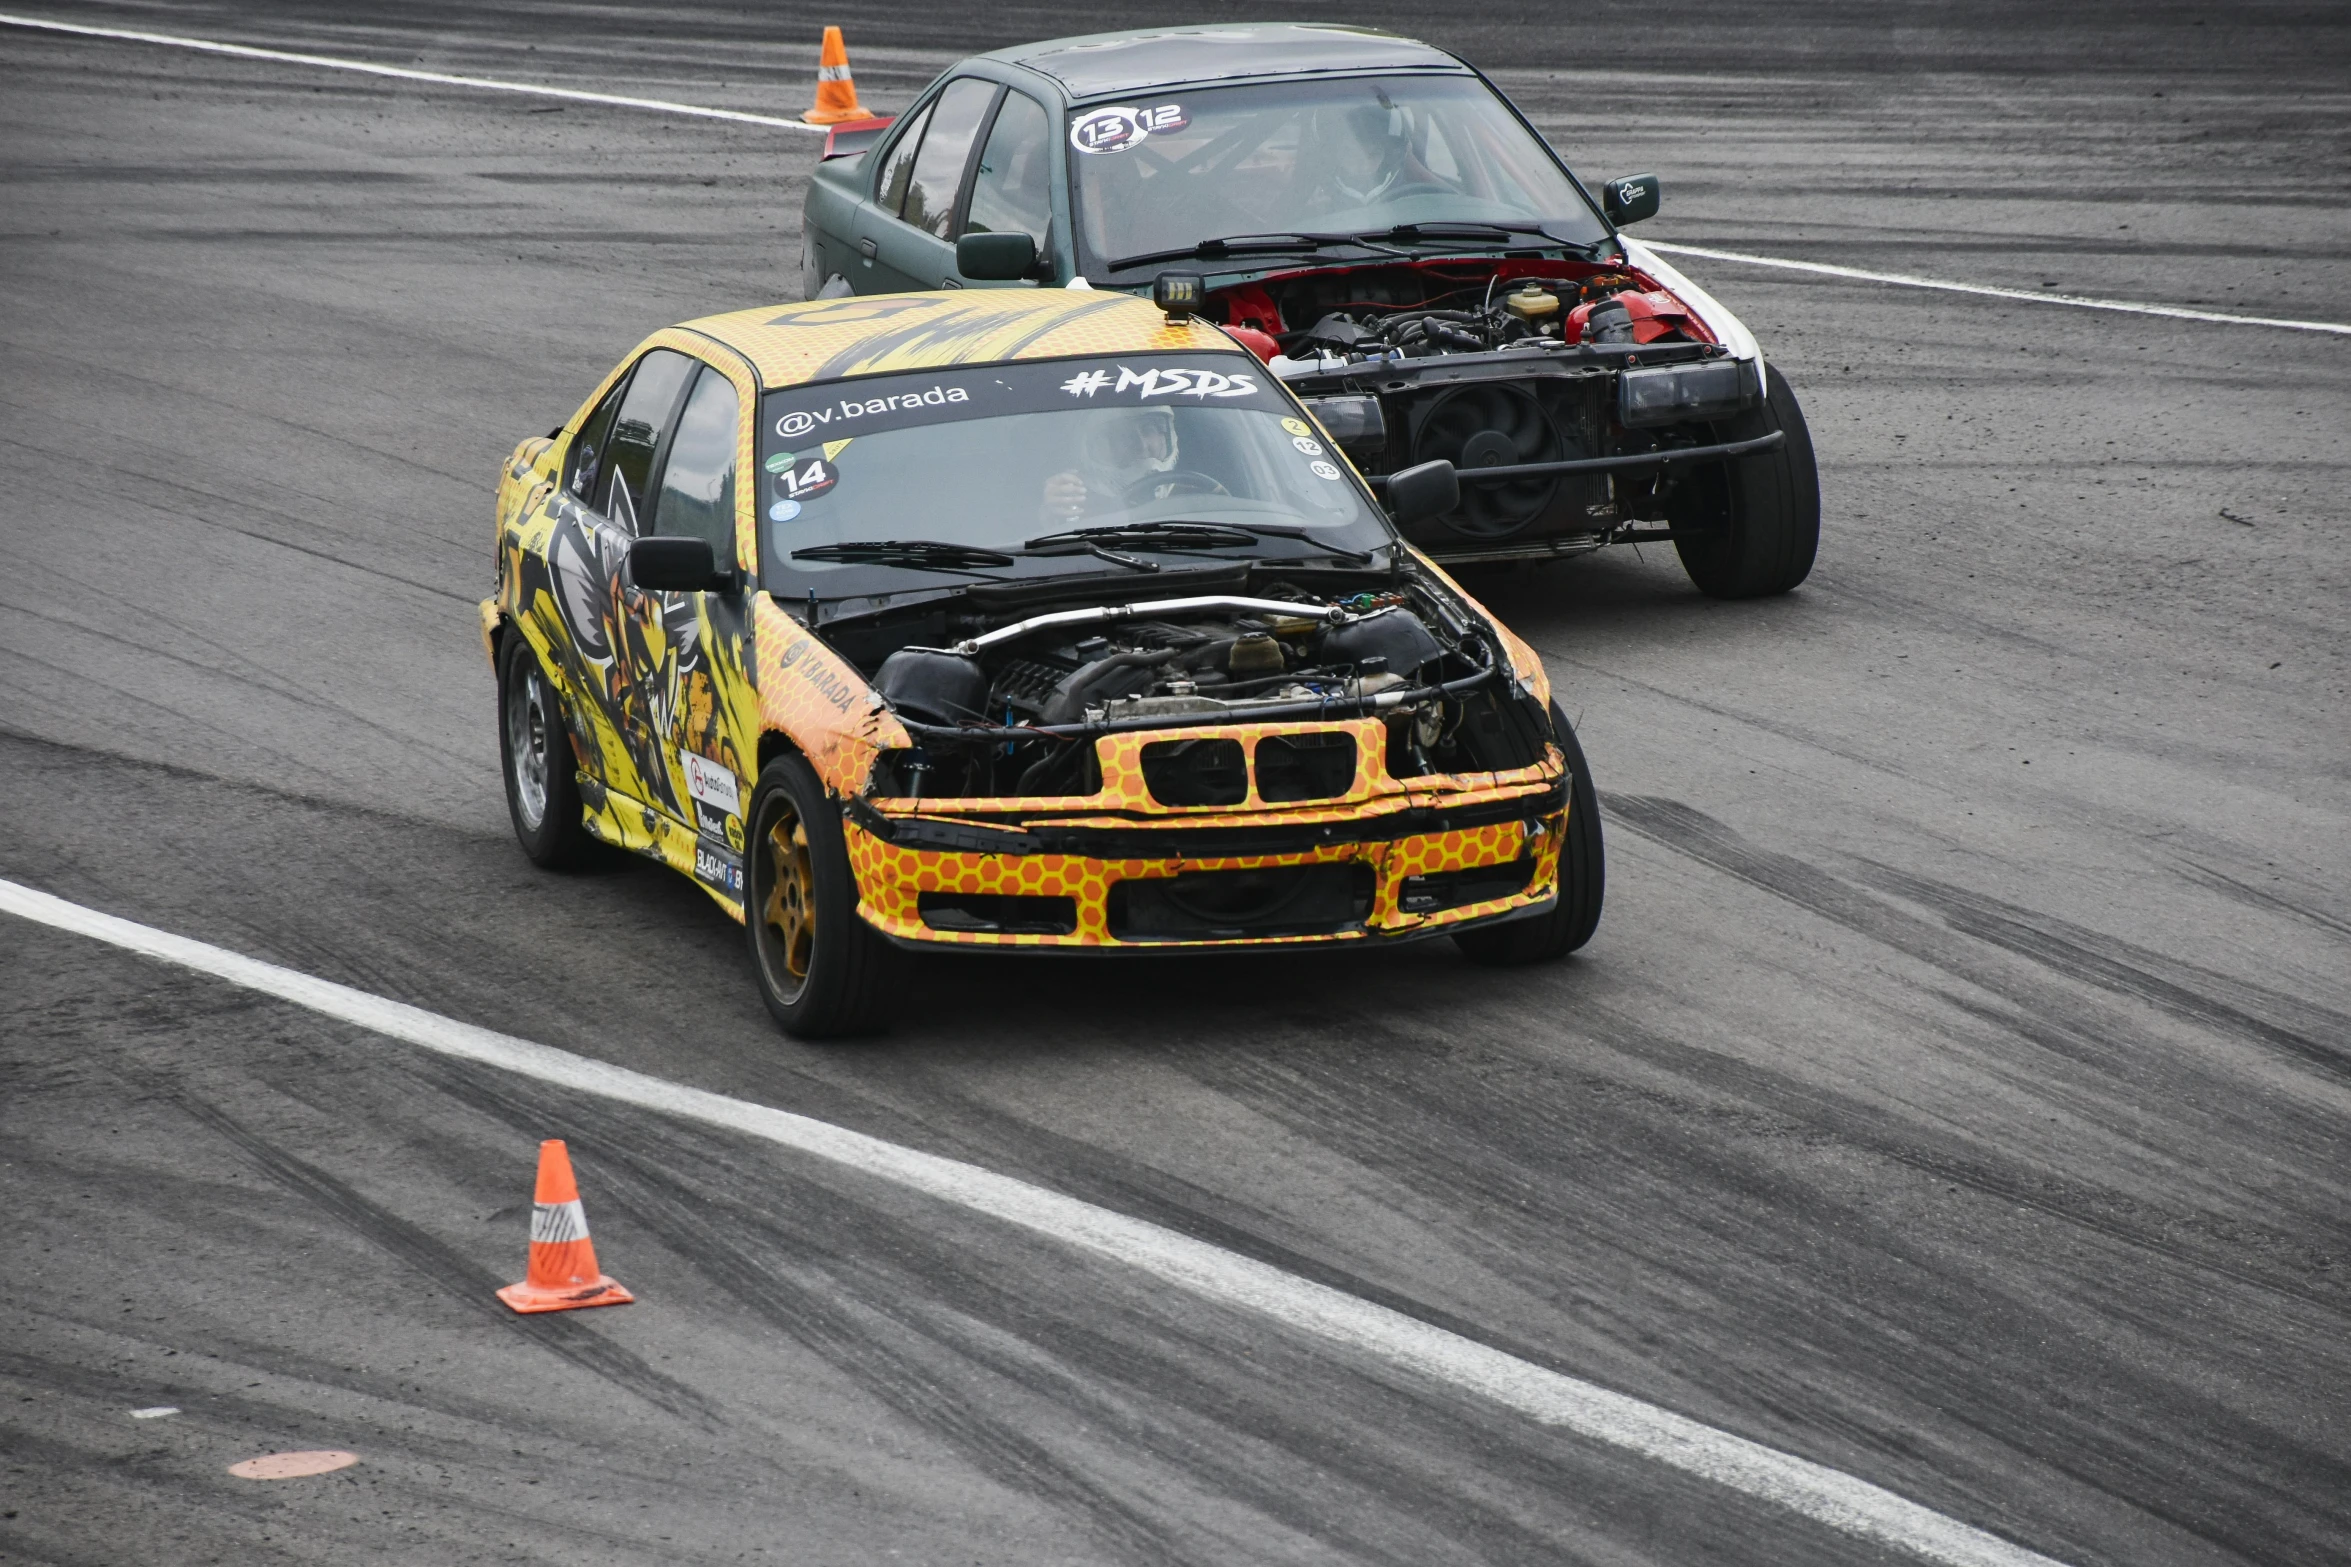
(822, 971)
(1751, 527)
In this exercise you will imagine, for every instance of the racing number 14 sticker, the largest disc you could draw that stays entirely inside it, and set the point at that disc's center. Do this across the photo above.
(805, 481)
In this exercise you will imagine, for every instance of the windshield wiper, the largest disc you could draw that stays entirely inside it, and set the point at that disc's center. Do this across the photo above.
(1166, 535)
(939, 555)
(1276, 530)
(933, 554)
(1444, 229)
(1249, 244)
(1083, 543)
(1196, 535)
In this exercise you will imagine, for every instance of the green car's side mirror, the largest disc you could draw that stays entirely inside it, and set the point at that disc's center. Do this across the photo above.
(995, 258)
(1630, 197)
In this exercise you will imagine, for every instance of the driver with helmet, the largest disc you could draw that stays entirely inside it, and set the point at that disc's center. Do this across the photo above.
(1354, 155)
(1122, 453)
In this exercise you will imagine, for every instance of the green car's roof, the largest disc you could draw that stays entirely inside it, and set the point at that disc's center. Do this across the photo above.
(1113, 63)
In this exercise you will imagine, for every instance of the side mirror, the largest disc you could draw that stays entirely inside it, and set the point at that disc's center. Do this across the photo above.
(1422, 491)
(995, 258)
(1630, 197)
(677, 565)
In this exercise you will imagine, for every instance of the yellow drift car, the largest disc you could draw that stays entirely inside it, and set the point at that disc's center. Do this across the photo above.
(1041, 619)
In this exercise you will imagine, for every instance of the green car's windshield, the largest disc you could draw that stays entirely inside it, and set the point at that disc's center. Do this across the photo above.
(1345, 155)
(922, 478)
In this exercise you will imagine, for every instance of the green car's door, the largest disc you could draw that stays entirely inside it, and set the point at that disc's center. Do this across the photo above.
(1012, 185)
(906, 233)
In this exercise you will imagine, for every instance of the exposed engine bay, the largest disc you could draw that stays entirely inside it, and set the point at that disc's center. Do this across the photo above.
(1607, 307)
(1010, 710)
(1595, 374)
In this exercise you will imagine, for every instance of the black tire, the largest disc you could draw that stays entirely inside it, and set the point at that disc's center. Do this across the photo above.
(823, 972)
(1583, 879)
(1752, 526)
(534, 752)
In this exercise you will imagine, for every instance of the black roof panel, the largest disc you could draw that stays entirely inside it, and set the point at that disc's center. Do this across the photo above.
(1163, 57)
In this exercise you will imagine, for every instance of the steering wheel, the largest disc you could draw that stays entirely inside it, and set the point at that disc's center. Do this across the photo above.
(1417, 188)
(1176, 481)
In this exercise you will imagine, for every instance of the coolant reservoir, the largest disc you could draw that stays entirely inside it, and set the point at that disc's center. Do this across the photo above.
(1532, 303)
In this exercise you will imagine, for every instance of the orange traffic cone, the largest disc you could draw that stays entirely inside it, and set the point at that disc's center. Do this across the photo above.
(836, 90)
(563, 1275)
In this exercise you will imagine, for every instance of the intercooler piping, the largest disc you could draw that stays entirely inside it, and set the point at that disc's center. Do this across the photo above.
(1320, 708)
(1108, 612)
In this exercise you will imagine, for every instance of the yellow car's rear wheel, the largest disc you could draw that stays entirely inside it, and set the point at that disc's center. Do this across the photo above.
(534, 748)
(822, 971)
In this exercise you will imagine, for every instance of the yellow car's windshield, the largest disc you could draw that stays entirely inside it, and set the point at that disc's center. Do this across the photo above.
(1026, 470)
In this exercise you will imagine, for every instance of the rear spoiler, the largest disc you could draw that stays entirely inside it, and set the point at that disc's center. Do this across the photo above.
(851, 137)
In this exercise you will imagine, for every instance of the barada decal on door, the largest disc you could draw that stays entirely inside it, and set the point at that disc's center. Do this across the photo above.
(827, 684)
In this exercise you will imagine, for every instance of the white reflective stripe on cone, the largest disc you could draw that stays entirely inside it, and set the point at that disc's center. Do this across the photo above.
(553, 1223)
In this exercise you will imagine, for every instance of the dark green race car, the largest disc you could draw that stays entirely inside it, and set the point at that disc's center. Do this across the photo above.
(1391, 236)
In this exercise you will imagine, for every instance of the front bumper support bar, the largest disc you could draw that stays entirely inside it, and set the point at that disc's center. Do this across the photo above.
(1543, 470)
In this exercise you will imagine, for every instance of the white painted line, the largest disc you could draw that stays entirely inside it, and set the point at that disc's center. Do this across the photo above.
(402, 73)
(1811, 1490)
(2031, 296)
(156, 1413)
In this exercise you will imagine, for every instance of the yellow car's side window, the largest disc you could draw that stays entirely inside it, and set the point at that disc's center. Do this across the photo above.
(697, 496)
(585, 465)
(621, 490)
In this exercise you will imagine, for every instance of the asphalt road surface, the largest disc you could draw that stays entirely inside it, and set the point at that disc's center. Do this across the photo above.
(1955, 1094)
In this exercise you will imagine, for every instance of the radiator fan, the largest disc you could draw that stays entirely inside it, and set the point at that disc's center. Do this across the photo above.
(1491, 427)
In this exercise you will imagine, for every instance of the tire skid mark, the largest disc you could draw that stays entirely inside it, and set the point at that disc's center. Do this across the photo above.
(1085, 1169)
(201, 1403)
(1940, 1157)
(1773, 1216)
(848, 1305)
(456, 1273)
(973, 1330)
(235, 1413)
(192, 1491)
(1691, 832)
(635, 1159)
(2125, 969)
(2255, 898)
(588, 1450)
(1183, 1206)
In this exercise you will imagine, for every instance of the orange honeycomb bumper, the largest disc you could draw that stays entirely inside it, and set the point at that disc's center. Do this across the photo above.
(923, 887)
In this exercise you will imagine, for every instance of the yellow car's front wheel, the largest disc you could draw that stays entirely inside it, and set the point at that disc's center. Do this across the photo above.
(822, 971)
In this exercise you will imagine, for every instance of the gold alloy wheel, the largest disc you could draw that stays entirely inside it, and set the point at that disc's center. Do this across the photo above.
(790, 910)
